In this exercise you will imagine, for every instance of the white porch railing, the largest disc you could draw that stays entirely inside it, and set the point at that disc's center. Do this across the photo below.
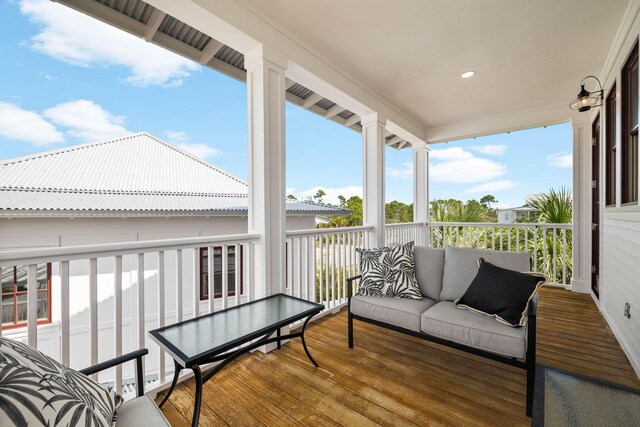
(92, 278)
(406, 232)
(320, 260)
(549, 244)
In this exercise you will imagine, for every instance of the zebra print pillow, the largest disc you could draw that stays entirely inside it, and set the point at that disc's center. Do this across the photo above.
(389, 272)
(36, 390)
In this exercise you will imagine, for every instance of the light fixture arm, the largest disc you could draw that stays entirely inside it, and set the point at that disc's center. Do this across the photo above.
(600, 90)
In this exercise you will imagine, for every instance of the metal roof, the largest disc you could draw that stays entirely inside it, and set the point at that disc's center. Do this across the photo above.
(187, 41)
(137, 174)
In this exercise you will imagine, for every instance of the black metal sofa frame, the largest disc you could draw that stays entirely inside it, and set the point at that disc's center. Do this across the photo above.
(528, 364)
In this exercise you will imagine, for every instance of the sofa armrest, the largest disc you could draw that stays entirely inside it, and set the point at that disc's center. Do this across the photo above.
(134, 355)
(533, 307)
(350, 281)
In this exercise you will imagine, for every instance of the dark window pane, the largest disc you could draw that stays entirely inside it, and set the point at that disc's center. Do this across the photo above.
(7, 280)
(22, 307)
(42, 276)
(7, 309)
(21, 274)
(633, 87)
(43, 305)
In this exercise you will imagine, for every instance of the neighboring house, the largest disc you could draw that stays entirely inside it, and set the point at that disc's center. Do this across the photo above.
(132, 188)
(513, 214)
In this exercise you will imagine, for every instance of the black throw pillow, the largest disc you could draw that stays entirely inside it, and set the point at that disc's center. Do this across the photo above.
(501, 293)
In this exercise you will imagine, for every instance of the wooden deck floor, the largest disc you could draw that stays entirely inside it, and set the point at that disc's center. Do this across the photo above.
(394, 379)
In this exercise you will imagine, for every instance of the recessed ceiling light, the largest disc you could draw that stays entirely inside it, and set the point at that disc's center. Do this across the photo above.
(467, 74)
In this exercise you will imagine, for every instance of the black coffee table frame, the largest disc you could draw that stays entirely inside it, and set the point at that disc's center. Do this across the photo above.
(228, 352)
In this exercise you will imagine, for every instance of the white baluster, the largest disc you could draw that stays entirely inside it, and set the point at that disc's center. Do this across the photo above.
(32, 306)
(65, 315)
(117, 318)
(162, 374)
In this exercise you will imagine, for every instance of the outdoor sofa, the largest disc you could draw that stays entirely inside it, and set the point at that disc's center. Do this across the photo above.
(443, 276)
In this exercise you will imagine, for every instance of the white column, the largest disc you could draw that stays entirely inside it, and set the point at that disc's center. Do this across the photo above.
(266, 108)
(581, 280)
(373, 177)
(421, 187)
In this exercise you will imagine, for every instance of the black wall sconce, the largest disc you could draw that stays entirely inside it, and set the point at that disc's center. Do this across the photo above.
(587, 100)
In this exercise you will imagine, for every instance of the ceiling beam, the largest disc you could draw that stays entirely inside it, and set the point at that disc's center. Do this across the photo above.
(156, 18)
(402, 144)
(210, 51)
(352, 120)
(312, 99)
(334, 111)
(289, 84)
(394, 140)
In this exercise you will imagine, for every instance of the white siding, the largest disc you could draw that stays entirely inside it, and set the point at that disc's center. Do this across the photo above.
(620, 281)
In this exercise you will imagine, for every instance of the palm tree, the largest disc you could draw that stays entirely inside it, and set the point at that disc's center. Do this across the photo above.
(554, 207)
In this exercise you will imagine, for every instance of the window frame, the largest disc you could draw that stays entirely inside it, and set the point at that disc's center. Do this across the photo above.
(204, 283)
(611, 148)
(629, 135)
(15, 293)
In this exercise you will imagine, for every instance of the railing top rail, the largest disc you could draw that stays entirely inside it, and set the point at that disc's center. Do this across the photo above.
(501, 224)
(403, 224)
(69, 253)
(334, 230)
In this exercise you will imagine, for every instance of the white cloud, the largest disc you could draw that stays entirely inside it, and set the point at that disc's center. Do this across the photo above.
(490, 149)
(450, 154)
(331, 193)
(181, 140)
(27, 126)
(491, 186)
(78, 39)
(202, 151)
(456, 165)
(176, 137)
(404, 172)
(560, 160)
(86, 120)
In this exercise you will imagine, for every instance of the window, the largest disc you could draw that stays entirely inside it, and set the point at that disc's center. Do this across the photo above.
(629, 146)
(611, 147)
(14, 295)
(217, 272)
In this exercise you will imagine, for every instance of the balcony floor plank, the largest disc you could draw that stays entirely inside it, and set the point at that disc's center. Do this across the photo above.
(392, 379)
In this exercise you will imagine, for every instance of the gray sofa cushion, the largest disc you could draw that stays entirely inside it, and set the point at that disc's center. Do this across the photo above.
(461, 266)
(141, 411)
(429, 270)
(403, 312)
(445, 321)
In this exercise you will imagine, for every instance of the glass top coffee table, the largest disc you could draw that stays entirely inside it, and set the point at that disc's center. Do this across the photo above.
(225, 335)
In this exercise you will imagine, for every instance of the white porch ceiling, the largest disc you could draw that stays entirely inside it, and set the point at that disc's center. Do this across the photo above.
(525, 53)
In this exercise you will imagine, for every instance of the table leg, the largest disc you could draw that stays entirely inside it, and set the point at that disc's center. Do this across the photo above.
(278, 335)
(176, 374)
(197, 374)
(304, 344)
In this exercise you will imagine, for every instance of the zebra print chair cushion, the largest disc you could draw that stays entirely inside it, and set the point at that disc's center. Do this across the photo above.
(35, 390)
(389, 272)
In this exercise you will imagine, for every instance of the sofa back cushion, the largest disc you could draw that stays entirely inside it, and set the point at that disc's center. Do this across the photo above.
(429, 270)
(461, 266)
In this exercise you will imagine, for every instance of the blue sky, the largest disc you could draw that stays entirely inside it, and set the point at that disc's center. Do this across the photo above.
(67, 79)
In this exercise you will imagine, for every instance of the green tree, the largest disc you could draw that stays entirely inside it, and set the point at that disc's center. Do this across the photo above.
(455, 211)
(487, 200)
(291, 197)
(397, 212)
(319, 195)
(554, 207)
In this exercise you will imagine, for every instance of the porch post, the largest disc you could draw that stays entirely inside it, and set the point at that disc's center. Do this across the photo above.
(581, 278)
(373, 177)
(266, 217)
(421, 188)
